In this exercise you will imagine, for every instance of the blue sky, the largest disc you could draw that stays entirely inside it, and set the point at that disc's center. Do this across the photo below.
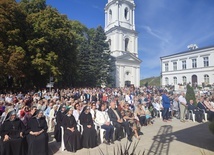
(164, 26)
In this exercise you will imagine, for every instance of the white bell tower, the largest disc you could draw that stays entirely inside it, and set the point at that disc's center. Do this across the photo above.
(123, 41)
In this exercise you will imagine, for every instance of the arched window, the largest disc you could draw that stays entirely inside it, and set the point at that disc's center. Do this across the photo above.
(166, 80)
(126, 13)
(110, 15)
(126, 44)
(175, 80)
(206, 79)
(184, 79)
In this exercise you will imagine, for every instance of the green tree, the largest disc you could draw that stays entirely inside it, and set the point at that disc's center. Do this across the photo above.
(99, 58)
(190, 94)
(50, 44)
(37, 42)
(12, 51)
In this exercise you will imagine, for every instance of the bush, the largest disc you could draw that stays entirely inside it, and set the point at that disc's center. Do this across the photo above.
(126, 151)
(190, 94)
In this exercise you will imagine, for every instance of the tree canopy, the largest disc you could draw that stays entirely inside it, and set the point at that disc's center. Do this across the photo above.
(37, 42)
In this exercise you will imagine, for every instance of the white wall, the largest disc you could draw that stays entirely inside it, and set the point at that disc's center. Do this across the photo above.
(200, 71)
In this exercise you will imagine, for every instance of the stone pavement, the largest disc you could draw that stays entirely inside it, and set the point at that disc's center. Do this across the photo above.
(161, 138)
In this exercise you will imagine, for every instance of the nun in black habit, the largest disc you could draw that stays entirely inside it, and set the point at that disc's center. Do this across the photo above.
(59, 117)
(71, 134)
(12, 131)
(89, 138)
(37, 137)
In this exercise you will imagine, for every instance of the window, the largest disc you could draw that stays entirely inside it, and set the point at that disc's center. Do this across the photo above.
(206, 79)
(126, 44)
(126, 14)
(184, 64)
(166, 67)
(175, 80)
(174, 66)
(110, 15)
(166, 81)
(194, 63)
(206, 62)
(184, 79)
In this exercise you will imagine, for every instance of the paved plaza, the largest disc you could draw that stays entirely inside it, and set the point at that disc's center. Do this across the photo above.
(162, 138)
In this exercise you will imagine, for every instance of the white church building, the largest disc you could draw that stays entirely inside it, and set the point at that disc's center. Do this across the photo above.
(195, 66)
(123, 41)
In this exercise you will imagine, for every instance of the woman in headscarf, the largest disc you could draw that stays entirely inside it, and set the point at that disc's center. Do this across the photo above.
(37, 137)
(89, 137)
(59, 117)
(71, 134)
(12, 131)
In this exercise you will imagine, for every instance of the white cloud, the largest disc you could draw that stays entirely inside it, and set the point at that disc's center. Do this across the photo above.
(154, 33)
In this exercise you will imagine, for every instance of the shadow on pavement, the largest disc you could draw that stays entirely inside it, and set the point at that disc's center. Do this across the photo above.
(161, 142)
(198, 136)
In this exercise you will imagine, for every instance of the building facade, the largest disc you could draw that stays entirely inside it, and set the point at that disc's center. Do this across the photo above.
(195, 66)
(123, 41)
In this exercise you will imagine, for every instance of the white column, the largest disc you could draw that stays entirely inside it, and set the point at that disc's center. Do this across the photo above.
(136, 46)
(117, 75)
(133, 14)
(121, 75)
(106, 19)
(135, 75)
(138, 76)
(131, 18)
(123, 78)
(118, 13)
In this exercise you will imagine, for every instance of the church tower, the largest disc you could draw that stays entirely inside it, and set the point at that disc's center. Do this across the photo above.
(123, 41)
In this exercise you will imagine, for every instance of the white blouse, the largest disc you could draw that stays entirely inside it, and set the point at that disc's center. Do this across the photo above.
(102, 117)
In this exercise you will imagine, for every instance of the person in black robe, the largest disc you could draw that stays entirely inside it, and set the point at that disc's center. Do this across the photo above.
(59, 117)
(37, 136)
(12, 131)
(89, 137)
(71, 134)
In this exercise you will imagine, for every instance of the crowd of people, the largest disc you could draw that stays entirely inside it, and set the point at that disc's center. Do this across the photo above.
(27, 118)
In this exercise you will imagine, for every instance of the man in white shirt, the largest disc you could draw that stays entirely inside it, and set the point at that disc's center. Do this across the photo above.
(52, 120)
(183, 105)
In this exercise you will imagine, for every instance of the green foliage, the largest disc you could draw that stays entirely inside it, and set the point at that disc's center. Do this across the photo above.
(190, 94)
(37, 42)
(126, 151)
(153, 81)
(94, 58)
(12, 53)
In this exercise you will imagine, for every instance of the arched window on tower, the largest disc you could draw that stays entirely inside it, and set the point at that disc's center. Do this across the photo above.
(110, 15)
(126, 13)
(126, 44)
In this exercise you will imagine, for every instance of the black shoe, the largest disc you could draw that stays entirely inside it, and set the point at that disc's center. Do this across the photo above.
(119, 138)
(106, 142)
(111, 141)
(129, 138)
